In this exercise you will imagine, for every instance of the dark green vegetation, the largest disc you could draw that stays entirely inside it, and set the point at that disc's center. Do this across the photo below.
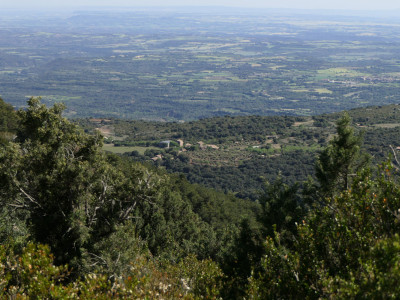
(114, 228)
(186, 66)
(237, 154)
(8, 121)
(99, 213)
(79, 222)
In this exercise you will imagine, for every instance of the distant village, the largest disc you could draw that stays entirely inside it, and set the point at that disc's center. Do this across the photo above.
(183, 147)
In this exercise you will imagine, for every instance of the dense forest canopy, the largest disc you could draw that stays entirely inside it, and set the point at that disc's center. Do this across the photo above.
(237, 154)
(78, 222)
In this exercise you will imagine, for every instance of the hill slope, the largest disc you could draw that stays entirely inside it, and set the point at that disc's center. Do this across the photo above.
(238, 154)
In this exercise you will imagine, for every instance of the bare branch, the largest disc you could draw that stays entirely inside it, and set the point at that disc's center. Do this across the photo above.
(125, 214)
(18, 206)
(99, 260)
(29, 197)
(395, 158)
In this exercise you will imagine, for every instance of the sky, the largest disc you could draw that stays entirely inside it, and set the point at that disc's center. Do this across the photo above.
(295, 4)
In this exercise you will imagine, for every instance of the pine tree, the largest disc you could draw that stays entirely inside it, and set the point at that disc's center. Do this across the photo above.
(340, 160)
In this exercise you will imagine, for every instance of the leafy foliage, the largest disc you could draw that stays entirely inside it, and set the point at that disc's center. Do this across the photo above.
(344, 249)
(100, 213)
(31, 274)
(281, 209)
(8, 121)
(58, 176)
(119, 229)
(338, 160)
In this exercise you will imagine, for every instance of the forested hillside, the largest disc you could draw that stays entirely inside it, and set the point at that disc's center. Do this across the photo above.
(77, 222)
(99, 212)
(237, 154)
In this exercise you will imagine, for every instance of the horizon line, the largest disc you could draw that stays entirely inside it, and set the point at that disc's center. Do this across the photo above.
(175, 6)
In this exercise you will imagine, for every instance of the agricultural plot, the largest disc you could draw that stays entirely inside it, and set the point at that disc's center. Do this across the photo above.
(180, 66)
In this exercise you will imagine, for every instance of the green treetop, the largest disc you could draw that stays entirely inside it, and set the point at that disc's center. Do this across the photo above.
(339, 160)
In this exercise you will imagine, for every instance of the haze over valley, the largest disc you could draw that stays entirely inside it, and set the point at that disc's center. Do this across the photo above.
(186, 64)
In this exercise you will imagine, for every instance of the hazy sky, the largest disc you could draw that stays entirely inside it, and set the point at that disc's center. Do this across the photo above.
(307, 4)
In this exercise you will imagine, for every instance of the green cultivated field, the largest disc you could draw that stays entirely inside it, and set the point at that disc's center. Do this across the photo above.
(185, 66)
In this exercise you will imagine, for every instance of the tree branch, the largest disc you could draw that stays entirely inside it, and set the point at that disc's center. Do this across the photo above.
(395, 158)
(30, 198)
